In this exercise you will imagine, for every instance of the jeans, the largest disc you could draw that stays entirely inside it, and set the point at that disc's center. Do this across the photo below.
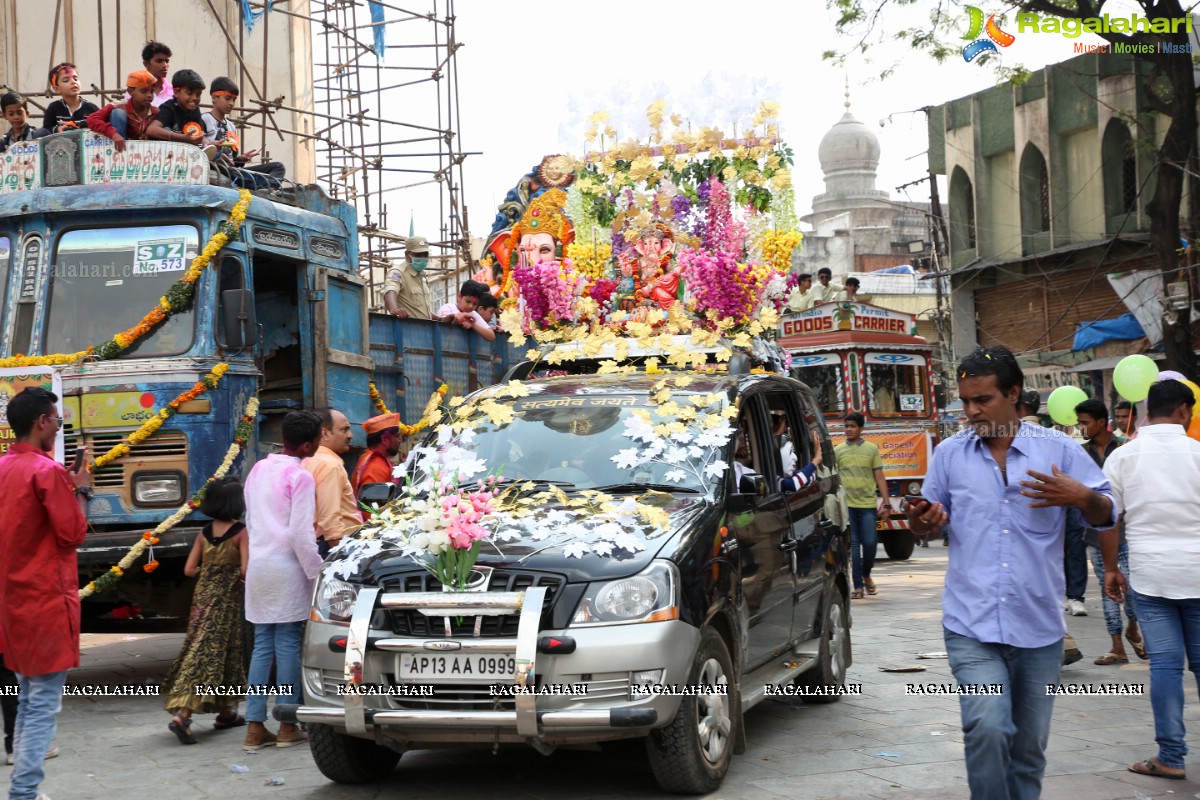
(1112, 609)
(119, 120)
(864, 541)
(277, 642)
(1171, 630)
(1004, 738)
(1075, 557)
(37, 719)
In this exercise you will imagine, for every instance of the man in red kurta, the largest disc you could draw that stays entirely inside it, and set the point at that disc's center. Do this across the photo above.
(383, 445)
(43, 523)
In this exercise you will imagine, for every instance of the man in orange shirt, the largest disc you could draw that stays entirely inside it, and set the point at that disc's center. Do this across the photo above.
(337, 511)
(383, 445)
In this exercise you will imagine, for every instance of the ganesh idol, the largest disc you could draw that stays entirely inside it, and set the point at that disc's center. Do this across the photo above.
(648, 278)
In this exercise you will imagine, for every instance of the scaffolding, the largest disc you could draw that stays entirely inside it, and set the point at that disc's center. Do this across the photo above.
(384, 116)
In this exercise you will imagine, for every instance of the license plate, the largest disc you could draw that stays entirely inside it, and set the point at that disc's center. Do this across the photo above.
(457, 667)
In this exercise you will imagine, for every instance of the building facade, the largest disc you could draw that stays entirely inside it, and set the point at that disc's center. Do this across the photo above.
(1048, 185)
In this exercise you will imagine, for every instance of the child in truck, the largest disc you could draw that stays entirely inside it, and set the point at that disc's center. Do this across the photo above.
(179, 119)
(16, 114)
(462, 311)
(130, 119)
(231, 160)
(69, 111)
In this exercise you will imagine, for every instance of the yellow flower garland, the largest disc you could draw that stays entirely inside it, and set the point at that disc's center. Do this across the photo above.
(377, 400)
(151, 537)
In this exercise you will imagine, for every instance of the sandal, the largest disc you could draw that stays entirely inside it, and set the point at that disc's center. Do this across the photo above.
(1151, 767)
(1108, 659)
(1138, 645)
(870, 584)
(222, 722)
(182, 728)
(857, 594)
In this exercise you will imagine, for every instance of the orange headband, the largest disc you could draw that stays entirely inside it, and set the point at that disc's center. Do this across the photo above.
(221, 93)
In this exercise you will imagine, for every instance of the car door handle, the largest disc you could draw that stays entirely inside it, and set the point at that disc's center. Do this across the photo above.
(788, 545)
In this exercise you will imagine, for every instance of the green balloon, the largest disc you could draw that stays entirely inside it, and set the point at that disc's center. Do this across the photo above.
(1062, 402)
(1134, 376)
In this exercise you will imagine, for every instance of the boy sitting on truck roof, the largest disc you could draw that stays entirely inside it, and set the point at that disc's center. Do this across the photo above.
(70, 111)
(220, 130)
(130, 119)
(16, 113)
(179, 119)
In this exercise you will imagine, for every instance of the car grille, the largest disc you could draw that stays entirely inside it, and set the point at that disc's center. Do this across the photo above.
(410, 622)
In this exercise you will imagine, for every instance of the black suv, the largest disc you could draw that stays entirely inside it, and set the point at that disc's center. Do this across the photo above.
(587, 627)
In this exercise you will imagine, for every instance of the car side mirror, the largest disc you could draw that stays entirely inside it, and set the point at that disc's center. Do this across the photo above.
(741, 502)
(378, 494)
(238, 322)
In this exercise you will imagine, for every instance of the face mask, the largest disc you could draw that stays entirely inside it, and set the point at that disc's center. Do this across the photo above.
(419, 264)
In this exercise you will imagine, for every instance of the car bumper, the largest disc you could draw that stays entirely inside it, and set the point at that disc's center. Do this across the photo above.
(597, 704)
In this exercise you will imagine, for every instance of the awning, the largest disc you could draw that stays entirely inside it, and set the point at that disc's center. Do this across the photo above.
(980, 264)
(1107, 363)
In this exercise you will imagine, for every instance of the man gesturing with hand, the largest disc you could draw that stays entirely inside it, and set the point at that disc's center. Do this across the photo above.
(1003, 486)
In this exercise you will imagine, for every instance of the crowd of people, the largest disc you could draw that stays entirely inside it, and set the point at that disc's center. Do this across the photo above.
(153, 108)
(256, 561)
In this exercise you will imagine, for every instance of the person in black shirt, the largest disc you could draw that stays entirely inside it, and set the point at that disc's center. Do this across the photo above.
(69, 111)
(179, 119)
(16, 113)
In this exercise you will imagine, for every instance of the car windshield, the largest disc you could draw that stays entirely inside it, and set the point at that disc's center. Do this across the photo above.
(105, 280)
(587, 443)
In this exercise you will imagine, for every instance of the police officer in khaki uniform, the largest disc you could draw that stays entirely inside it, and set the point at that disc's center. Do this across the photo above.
(405, 293)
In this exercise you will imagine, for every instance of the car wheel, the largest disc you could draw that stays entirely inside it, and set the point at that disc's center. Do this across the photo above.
(833, 658)
(348, 759)
(691, 755)
(899, 545)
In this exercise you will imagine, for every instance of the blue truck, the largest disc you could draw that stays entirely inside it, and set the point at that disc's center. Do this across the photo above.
(85, 252)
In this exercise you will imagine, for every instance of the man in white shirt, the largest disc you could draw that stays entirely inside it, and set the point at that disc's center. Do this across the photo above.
(826, 291)
(801, 298)
(280, 515)
(1154, 481)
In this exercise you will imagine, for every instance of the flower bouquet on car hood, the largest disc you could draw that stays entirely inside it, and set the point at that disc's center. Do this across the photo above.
(440, 520)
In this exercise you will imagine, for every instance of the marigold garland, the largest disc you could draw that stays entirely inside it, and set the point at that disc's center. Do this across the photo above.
(150, 426)
(177, 299)
(428, 415)
(241, 435)
(380, 406)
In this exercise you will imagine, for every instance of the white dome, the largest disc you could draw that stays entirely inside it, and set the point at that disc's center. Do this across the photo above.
(849, 145)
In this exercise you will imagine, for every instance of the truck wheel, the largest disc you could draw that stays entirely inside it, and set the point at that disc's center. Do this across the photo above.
(833, 657)
(691, 755)
(899, 545)
(348, 759)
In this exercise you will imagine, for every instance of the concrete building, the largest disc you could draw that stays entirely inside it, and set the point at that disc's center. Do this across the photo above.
(856, 226)
(1048, 186)
(105, 40)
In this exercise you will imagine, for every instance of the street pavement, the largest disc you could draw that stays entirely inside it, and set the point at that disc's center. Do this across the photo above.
(882, 744)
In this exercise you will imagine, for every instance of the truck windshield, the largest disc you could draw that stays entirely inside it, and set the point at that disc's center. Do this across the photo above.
(105, 280)
(575, 445)
(826, 382)
(897, 384)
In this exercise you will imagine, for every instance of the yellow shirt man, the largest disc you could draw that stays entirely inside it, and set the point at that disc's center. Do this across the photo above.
(337, 513)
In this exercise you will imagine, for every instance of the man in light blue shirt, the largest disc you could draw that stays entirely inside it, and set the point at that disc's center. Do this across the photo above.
(1003, 486)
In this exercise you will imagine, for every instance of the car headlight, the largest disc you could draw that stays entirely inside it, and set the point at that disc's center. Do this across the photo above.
(157, 490)
(649, 596)
(333, 601)
(912, 487)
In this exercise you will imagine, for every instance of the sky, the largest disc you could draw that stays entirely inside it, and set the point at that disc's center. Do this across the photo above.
(529, 78)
